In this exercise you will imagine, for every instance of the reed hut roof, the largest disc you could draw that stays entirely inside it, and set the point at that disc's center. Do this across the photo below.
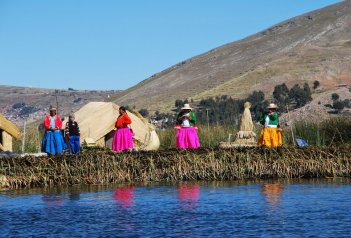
(9, 127)
(96, 119)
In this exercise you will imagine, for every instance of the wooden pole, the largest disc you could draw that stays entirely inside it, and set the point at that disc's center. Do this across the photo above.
(229, 136)
(208, 120)
(291, 129)
(38, 136)
(24, 135)
(57, 104)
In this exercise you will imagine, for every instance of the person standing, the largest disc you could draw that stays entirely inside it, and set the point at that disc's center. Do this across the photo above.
(53, 142)
(271, 133)
(186, 129)
(123, 138)
(72, 134)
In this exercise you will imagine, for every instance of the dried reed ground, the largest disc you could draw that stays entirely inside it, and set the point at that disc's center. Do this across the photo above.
(101, 167)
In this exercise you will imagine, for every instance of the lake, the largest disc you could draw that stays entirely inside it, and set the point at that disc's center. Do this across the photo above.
(279, 208)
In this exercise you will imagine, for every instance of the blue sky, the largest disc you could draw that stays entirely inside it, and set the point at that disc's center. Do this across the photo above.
(112, 44)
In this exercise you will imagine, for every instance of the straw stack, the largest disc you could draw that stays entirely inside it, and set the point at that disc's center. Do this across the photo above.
(246, 136)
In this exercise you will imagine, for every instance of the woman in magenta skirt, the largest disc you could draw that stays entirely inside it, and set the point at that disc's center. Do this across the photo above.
(187, 137)
(123, 138)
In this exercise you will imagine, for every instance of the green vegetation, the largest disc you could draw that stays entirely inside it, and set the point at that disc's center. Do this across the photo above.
(338, 105)
(32, 140)
(224, 109)
(316, 84)
(293, 98)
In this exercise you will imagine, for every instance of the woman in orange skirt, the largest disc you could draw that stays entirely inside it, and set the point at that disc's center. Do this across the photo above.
(271, 133)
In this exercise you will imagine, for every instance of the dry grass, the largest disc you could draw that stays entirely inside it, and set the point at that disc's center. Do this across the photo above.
(101, 167)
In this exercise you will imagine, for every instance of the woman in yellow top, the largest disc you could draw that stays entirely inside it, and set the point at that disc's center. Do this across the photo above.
(271, 133)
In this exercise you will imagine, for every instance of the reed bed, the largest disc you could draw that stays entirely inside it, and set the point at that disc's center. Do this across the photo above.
(103, 166)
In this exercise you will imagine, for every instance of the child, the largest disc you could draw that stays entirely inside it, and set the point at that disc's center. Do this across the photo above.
(73, 134)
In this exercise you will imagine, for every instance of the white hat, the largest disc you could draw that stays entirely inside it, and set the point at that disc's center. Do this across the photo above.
(272, 105)
(186, 107)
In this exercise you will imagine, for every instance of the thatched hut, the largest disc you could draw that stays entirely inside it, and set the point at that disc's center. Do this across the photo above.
(8, 131)
(97, 122)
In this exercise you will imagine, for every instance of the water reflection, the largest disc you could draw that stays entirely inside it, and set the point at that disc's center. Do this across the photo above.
(188, 195)
(53, 200)
(124, 223)
(124, 196)
(262, 209)
(272, 193)
(74, 195)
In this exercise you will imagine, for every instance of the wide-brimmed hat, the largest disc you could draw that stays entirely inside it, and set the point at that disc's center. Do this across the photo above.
(52, 108)
(186, 107)
(272, 106)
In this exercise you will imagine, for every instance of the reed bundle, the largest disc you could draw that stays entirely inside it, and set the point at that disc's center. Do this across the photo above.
(102, 167)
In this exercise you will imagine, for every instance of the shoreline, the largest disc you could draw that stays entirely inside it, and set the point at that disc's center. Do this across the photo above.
(96, 166)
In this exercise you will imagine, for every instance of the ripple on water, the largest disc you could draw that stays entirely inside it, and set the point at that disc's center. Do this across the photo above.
(268, 209)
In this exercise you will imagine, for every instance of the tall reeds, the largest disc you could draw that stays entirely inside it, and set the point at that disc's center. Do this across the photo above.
(334, 131)
(31, 139)
(209, 136)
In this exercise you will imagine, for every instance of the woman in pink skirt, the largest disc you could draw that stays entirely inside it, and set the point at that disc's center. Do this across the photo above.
(186, 130)
(123, 138)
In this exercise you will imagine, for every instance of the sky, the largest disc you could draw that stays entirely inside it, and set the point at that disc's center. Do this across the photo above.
(115, 44)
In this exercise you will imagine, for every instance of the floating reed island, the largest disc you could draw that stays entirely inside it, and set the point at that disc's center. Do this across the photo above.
(101, 167)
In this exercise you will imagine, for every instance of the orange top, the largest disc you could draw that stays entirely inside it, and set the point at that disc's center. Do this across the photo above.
(123, 121)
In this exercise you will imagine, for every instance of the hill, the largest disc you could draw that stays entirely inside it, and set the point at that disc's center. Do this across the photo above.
(22, 103)
(313, 46)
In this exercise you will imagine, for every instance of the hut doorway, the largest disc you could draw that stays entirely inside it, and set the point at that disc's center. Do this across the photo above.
(109, 138)
(1, 135)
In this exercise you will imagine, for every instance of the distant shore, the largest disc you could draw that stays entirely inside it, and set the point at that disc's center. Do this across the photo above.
(205, 164)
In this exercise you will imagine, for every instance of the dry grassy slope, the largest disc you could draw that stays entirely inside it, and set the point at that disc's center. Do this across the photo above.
(41, 99)
(313, 46)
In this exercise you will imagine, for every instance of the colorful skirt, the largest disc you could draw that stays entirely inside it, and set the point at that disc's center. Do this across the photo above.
(122, 140)
(74, 144)
(270, 137)
(187, 138)
(53, 142)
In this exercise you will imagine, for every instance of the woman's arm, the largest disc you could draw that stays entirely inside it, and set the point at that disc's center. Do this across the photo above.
(58, 123)
(273, 117)
(179, 118)
(192, 117)
(46, 123)
(127, 120)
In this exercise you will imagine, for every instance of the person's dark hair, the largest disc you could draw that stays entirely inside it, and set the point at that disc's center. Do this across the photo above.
(123, 109)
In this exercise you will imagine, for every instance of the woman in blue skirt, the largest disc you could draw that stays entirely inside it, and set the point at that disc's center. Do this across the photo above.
(53, 142)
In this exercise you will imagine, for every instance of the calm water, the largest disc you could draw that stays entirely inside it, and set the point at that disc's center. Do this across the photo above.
(317, 208)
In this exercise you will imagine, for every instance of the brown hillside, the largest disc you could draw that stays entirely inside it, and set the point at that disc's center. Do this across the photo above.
(20, 103)
(313, 46)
